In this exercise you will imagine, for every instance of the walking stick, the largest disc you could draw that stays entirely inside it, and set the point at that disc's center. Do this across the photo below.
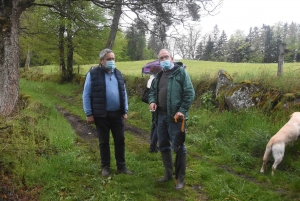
(179, 140)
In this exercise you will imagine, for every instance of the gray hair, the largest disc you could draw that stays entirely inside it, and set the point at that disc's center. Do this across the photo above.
(165, 50)
(104, 52)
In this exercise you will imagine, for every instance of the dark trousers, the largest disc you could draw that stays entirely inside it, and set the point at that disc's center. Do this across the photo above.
(166, 133)
(113, 122)
(153, 137)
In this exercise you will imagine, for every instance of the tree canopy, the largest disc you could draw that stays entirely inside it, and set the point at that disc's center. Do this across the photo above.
(67, 19)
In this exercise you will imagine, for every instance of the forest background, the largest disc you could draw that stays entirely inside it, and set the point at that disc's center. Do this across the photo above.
(40, 30)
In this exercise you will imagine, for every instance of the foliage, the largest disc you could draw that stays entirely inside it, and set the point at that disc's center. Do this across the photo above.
(41, 27)
(158, 17)
(259, 45)
(120, 49)
(207, 99)
(136, 42)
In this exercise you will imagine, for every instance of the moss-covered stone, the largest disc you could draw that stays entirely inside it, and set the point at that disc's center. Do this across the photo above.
(23, 101)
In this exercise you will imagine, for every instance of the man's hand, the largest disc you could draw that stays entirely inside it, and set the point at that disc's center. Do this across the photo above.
(125, 116)
(90, 120)
(179, 115)
(152, 107)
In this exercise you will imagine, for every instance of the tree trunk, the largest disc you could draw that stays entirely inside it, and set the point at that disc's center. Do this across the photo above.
(61, 47)
(70, 50)
(281, 59)
(27, 62)
(10, 12)
(115, 24)
(295, 55)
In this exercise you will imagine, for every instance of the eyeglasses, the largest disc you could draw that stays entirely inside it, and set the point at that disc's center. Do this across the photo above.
(110, 59)
(164, 57)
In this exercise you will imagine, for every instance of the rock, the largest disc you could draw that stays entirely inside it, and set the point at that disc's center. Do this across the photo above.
(246, 94)
(238, 96)
(224, 80)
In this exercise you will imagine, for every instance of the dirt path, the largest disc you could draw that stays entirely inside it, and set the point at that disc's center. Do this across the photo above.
(88, 132)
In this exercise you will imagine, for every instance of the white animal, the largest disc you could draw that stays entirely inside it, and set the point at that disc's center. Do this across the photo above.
(289, 133)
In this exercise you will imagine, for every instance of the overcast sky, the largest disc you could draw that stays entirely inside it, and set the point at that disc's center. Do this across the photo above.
(243, 14)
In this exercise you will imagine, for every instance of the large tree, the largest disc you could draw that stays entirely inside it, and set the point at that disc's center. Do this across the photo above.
(254, 38)
(208, 50)
(154, 44)
(293, 42)
(220, 47)
(236, 47)
(186, 45)
(10, 12)
(136, 42)
(269, 45)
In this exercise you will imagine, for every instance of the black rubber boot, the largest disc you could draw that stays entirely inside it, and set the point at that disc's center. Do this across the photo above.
(167, 161)
(180, 183)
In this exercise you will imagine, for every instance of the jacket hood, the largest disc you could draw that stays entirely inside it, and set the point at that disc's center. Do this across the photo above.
(178, 63)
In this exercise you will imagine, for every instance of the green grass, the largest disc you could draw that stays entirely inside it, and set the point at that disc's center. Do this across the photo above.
(225, 150)
(265, 74)
(195, 68)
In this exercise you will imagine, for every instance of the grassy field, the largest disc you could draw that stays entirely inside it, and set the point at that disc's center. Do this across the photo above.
(41, 151)
(196, 68)
(265, 74)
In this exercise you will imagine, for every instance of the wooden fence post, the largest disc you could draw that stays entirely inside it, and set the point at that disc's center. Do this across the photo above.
(281, 59)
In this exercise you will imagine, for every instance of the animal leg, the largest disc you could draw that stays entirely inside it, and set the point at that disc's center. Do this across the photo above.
(262, 170)
(265, 158)
(278, 153)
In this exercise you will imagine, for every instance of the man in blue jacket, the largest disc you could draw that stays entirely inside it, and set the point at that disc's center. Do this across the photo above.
(105, 104)
(171, 96)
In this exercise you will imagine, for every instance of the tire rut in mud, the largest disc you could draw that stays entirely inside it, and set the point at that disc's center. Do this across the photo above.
(88, 132)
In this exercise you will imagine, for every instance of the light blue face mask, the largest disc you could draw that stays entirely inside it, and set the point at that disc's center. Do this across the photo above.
(110, 65)
(165, 65)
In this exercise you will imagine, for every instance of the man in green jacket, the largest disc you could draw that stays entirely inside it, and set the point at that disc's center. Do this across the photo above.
(171, 96)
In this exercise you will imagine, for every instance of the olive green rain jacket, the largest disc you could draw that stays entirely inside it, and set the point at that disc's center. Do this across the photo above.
(181, 92)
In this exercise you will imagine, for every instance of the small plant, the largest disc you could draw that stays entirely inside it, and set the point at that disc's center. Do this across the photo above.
(207, 99)
(193, 121)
